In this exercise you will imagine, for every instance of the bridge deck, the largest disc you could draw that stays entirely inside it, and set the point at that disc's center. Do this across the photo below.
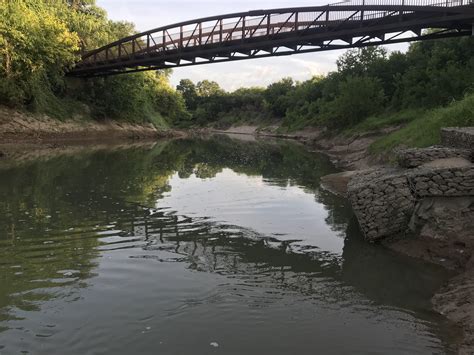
(276, 32)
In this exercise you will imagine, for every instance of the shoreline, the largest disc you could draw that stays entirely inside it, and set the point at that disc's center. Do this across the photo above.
(22, 130)
(455, 300)
(349, 153)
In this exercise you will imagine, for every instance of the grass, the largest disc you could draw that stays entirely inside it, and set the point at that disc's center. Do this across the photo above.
(289, 126)
(61, 109)
(375, 123)
(425, 130)
(243, 117)
(66, 108)
(158, 121)
(420, 127)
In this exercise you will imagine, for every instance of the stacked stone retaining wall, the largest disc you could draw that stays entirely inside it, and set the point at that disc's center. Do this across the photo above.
(458, 137)
(384, 200)
(412, 158)
(442, 182)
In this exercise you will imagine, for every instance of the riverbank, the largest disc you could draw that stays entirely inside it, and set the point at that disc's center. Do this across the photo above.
(346, 151)
(446, 237)
(433, 187)
(26, 129)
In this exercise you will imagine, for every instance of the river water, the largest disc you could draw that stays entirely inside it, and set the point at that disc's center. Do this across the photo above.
(199, 246)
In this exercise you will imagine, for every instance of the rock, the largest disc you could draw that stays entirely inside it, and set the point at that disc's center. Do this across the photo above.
(435, 192)
(457, 162)
(443, 225)
(421, 185)
(337, 183)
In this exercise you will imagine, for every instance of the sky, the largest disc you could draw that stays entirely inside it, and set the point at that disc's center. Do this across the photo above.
(149, 14)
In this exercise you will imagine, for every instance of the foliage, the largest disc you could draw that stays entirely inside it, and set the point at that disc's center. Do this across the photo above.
(208, 88)
(36, 47)
(208, 104)
(189, 92)
(425, 130)
(361, 62)
(358, 97)
(438, 73)
(371, 89)
(277, 96)
(140, 97)
(41, 39)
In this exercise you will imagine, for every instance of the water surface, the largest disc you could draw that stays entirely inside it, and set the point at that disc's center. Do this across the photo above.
(198, 247)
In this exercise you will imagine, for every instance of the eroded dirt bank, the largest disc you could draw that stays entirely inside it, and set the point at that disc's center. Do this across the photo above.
(20, 130)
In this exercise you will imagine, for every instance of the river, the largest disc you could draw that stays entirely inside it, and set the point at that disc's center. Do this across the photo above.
(199, 246)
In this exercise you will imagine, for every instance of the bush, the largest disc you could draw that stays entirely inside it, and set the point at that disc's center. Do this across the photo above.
(357, 99)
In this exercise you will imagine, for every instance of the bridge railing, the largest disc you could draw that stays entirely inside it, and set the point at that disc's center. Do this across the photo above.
(256, 24)
(441, 3)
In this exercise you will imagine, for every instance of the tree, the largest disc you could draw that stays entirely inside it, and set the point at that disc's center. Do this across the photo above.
(34, 43)
(361, 61)
(359, 97)
(276, 96)
(41, 39)
(208, 88)
(438, 72)
(189, 92)
(91, 24)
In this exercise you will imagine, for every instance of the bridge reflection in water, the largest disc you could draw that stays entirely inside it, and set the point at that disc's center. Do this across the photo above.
(277, 32)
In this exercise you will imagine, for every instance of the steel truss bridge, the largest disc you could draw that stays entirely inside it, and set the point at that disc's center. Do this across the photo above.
(278, 32)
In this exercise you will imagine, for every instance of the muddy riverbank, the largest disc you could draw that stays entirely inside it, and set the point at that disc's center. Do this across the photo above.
(19, 128)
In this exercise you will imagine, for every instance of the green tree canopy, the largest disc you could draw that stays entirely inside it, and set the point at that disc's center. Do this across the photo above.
(208, 88)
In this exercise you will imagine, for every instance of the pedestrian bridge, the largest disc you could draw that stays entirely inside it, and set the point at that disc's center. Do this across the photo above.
(278, 32)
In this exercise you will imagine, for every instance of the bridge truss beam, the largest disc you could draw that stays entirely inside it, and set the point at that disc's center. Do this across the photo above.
(279, 32)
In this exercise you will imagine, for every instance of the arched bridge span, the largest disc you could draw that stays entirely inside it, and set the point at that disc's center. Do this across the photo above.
(277, 32)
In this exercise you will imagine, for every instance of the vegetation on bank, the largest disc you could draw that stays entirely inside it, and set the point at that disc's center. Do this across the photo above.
(424, 130)
(41, 39)
(371, 89)
(427, 87)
